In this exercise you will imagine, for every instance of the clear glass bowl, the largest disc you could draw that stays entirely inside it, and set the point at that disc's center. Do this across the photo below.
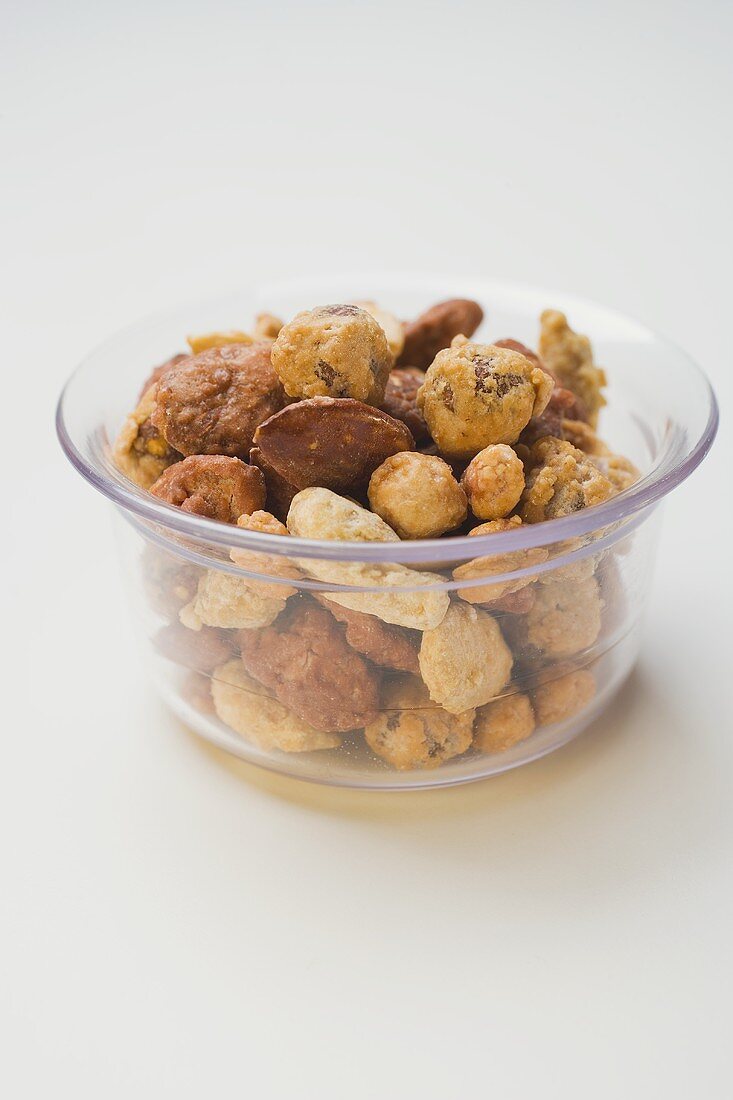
(567, 596)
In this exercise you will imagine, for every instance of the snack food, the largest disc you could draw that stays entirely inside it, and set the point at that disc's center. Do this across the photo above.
(477, 394)
(417, 495)
(333, 351)
(305, 429)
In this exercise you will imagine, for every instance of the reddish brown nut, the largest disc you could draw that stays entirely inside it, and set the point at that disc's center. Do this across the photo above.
(213, 486)
(562, 405)
(211, 403)
(280, 492)
(386, 645)
(169, 582)
(157, 372)
(333, 442)
(304, 659)
(514, 603)
(433, 330)
(517, 345)
(201, 650)
(400, 401)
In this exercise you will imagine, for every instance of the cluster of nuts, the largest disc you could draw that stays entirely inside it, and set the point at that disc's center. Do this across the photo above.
(347, 424)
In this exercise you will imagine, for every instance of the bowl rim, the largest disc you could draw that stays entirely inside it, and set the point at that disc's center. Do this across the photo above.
(645, 493)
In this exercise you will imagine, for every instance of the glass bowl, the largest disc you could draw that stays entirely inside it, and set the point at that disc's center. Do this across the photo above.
(303, 656)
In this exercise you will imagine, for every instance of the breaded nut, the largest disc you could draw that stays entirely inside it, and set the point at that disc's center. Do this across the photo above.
(320, 514)
(570, 359)
(333, 351)
(478, 394)
(493, 482)
(140, 451)
(434, 329)
(392, 328)
(400, 401)
(565, 618)
(464, 661)
(306, 662)
(417, 495)
(225, 600)
(502, 724)
(561, 480)
(212, 403)
(214, 486)
(386, 645)
(258, 561)
(492, 565)
(242, 704)
(412, 732)
(558, 700)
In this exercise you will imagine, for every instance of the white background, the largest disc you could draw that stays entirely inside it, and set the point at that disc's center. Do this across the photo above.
(175, 923)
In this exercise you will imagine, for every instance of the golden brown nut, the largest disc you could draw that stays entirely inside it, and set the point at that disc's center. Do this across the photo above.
(478, 394)
(561, 480)
(620, 471)
(140, 451)
(320, 514)
(434, 329)
(214, 486)
(392, 328)
(243, 705)
(565, 618)
(333, 442)
(570, 359)
(400, 401)
(412, 732)
(492, 565)
(417, 495)
(225, 600)
(464, 661)
(267, 326)
(333, 351)
(306, 662)
(493, 482)
(386, 645)
(211, 403)
(558, 700)
(259, 561)
(219, 339)
(502, 724)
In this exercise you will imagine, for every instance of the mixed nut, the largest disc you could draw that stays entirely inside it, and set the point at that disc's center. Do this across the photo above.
(348, 424)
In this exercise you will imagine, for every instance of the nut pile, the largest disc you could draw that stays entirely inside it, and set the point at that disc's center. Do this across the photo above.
(348, 424)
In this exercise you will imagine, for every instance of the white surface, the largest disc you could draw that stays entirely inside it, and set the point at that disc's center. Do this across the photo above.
(177, 924)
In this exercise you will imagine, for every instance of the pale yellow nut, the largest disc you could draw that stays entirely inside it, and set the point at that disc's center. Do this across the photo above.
(390, 325)
(267, 326)
(228, 601)
(493, 482)
(243, 705)
(492, 565)
(504, 723)
(464, 661)
(565, 617)
(412, 732)
(558, 700)
(257, 561)
(417, 495)
(318, 513)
